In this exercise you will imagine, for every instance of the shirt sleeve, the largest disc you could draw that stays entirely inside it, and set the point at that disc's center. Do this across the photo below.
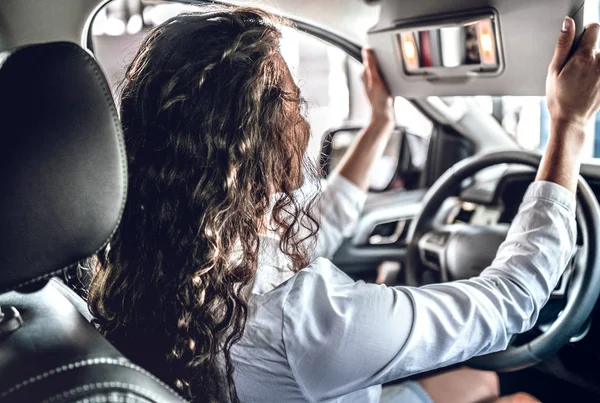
(341, 336)
(339, 207)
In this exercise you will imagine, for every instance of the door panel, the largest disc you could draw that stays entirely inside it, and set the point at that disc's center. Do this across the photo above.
(359, 253)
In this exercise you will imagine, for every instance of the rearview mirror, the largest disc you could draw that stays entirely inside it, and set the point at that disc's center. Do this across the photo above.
(399, 167)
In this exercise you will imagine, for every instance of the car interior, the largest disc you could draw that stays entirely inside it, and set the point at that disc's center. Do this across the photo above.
(468, 77)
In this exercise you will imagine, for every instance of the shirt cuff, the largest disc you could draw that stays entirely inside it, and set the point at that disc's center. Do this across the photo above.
(552, 192)
(349, 190)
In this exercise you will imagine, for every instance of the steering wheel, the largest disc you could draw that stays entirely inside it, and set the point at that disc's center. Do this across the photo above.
(451, 247)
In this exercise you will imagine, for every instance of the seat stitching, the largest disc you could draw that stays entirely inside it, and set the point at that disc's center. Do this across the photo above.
(105, 399)
(103, 385)
(89, 362)
(110, 399)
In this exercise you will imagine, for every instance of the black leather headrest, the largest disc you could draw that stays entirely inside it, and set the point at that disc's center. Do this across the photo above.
(63, 167)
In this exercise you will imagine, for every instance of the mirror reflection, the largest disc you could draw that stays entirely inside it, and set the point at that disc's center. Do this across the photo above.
(472, 45)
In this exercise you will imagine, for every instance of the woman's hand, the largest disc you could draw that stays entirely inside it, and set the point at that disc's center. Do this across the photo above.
(382, 104)
(573, 85)
(573, 95)
(359, 161)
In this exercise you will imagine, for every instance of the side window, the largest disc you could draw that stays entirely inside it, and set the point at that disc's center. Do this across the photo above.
(405, 155)
(338, 109)
(320, 72)
(119, 27)
(329, 80)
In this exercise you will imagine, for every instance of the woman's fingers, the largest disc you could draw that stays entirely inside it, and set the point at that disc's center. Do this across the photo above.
(573, 97)
(376, 90)
(589, 39)
(563, 45)
(573, 86)
(371, 66)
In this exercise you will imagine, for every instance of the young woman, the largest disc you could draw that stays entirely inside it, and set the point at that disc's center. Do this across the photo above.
(216, 279)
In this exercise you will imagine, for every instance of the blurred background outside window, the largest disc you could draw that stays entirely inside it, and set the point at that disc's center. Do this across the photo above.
(330, 80)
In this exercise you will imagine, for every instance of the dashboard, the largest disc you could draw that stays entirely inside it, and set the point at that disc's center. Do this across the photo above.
(495, 195)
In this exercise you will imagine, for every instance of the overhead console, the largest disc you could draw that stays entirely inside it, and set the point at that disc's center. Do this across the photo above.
(469, 47)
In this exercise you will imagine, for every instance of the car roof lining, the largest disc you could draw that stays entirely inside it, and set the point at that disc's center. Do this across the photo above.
(46, 21)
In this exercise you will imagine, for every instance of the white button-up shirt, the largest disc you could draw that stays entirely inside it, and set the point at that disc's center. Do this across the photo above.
(317, 335)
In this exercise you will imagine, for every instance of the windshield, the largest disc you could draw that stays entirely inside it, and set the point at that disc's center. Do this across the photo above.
(527, 120)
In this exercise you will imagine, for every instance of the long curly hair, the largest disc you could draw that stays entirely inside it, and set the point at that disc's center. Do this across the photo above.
(216, 143)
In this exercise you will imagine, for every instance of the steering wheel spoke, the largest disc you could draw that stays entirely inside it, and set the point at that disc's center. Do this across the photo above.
(560, 291)
(432, 250)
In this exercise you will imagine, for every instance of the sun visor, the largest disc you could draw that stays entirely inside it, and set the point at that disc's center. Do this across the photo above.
(469, 47)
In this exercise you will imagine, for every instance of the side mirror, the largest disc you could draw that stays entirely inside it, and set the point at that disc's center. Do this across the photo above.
(399, 167)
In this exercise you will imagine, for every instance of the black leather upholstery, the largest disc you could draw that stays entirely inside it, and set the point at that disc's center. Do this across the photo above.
(58, 356)
(63, 167)
(62, 181)
(75, 299)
